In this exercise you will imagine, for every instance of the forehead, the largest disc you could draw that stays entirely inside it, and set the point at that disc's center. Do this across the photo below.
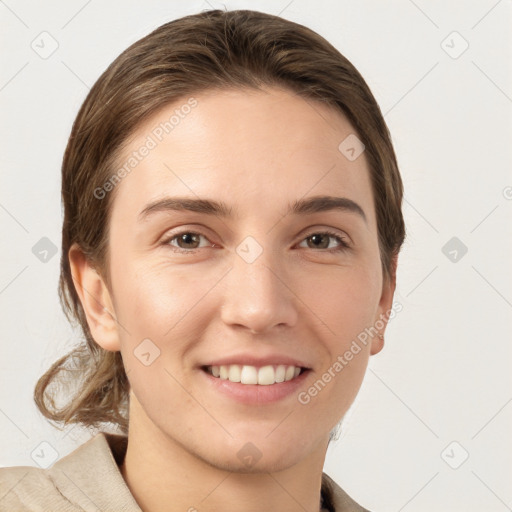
(243, 147)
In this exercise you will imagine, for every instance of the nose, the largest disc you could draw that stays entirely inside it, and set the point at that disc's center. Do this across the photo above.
(258, 296)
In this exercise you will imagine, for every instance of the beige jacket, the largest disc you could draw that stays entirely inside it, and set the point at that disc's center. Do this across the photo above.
(89, 479)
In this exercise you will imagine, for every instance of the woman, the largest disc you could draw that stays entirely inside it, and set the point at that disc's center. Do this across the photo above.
(232, 223)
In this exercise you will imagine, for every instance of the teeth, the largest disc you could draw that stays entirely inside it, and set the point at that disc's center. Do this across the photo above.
(234, 373)
(265, 375)
(280, 373)
(249, 374)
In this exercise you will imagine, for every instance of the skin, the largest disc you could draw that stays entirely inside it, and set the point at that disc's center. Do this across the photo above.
(258, 152)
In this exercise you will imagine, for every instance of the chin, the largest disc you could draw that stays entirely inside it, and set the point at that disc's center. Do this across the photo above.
(259, 453)
(262, 465)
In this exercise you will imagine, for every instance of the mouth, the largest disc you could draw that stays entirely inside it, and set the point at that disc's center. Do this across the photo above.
(260, 375)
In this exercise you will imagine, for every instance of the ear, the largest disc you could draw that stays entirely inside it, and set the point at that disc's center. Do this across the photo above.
(385, 307)
(96, 300)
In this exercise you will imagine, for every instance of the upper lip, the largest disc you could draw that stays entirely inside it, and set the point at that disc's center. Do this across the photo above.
(253, 360)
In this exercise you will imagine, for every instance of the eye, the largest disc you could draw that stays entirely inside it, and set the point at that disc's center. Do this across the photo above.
(190, 241)
(320, 240)
(186, 241)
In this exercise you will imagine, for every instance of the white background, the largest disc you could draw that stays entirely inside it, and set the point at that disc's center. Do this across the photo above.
(444, 374)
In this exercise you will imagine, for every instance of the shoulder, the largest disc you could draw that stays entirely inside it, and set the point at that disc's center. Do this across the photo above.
(336, 499)
(88, 478)
(27, 488)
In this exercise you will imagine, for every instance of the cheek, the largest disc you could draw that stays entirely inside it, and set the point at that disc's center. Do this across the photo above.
(156, 311)
(139, 287)
(161, 303)
(346, 302)
(146, 301)
(345, 299)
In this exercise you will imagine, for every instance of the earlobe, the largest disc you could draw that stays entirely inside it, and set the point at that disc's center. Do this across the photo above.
(95, 299)
(385, 307)
(377, 344)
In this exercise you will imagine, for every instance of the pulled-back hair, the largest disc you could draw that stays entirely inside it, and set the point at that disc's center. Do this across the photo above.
(213, 50)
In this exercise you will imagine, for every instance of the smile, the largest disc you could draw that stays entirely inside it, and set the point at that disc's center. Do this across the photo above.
(263, 375)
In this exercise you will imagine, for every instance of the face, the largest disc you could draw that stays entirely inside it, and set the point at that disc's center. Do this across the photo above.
(266, 278)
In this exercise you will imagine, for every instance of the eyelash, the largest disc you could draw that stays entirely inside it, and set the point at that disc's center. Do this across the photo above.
(343, 245)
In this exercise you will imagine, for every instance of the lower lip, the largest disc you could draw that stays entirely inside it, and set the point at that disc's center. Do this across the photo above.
(256, 394)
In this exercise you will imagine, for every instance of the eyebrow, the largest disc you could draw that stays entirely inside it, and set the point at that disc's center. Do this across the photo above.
(306, 206)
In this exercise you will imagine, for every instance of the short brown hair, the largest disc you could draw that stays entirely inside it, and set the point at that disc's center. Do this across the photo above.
(213, 50)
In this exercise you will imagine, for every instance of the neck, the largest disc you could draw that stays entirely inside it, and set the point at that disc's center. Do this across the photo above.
(163, 475)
